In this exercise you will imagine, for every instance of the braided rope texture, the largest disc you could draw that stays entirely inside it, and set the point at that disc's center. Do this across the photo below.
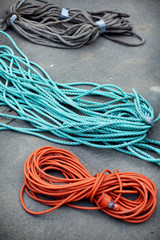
(121, 121)
(40, 22)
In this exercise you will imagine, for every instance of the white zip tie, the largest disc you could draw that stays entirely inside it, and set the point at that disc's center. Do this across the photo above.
(14, 16)
(64, 13)
(20, 3)
(12, 19)
(149, 120)
(102, 26)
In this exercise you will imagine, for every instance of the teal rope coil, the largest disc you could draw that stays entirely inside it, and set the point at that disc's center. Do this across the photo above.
(66, 111)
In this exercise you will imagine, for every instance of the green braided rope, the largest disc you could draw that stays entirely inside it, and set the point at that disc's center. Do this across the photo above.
(66, 111)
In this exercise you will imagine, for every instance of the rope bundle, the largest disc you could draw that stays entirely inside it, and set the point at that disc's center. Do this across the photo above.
(76, 183)
(66, 111)
(41, 22)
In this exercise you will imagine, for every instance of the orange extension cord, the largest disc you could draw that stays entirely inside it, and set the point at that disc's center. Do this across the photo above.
(105, 190)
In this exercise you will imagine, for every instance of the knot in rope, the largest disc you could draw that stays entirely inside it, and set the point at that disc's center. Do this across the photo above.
(75, 183)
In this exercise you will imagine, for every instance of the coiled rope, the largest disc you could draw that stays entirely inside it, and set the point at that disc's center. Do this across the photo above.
(76, 183)
(66, 111)
(47, 24)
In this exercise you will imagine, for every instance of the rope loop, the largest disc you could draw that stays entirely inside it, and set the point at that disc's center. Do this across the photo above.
(71, 113)
(76, 183)
(98, 181)
(48, 24)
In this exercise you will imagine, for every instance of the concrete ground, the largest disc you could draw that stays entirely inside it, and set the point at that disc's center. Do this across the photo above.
(102, 62)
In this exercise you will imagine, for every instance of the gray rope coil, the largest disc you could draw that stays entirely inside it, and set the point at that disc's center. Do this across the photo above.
(42, 23)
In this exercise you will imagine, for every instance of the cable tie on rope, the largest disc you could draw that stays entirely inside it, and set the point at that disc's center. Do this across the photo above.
(12, 19)
(64, 13)
(76, 20)
(20, 3)
(149, 120)
(102, 26)
(14, 16)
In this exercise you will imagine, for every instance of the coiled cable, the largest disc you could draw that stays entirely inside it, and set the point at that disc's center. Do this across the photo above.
(42, 23)
(121, 121)
(107, 191)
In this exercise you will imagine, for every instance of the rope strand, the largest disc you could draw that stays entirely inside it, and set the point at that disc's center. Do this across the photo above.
(40, 22)
(104, 190)
(121, 121)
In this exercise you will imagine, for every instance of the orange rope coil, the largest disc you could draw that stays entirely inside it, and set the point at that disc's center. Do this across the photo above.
(104, 190)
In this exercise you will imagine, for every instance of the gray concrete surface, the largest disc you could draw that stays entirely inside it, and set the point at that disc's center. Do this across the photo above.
(102, 62)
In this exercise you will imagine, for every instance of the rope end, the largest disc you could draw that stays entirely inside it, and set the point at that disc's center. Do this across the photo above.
(105, 201)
